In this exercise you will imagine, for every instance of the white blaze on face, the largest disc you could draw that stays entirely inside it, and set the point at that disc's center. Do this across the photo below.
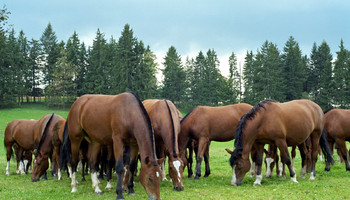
(157, 174)
(233, 180)
(177, 165)
(268, 167)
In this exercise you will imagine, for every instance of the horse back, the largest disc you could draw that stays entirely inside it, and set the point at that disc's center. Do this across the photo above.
(22, 133)
(99, 116)
(337, 123)
(295, 120)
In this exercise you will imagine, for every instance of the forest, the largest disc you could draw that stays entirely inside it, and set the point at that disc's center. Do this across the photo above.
(57, 72)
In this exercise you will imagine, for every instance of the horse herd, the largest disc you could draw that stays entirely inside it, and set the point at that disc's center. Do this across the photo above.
(112, 133)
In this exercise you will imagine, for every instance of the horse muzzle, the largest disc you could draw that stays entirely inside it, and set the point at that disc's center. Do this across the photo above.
(177, 188)
(35, 179)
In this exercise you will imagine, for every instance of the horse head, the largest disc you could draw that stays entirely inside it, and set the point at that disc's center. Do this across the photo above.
(40, 165)
(150, 177)
(176, 168)
(240, 166)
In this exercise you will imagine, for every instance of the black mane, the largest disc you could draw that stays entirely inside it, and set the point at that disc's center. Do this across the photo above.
(241, 126)
(188, 114)
(43, 136)
(172, 125)
(150, 129)
(328, 110)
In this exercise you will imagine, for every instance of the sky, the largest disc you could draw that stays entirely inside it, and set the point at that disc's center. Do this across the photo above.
(191, 25)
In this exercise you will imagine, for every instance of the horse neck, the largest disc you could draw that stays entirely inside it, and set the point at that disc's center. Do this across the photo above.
(47, 146)
(183, 138)
(145, 144)
(250, 134)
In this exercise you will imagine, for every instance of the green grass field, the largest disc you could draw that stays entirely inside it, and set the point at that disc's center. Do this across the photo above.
(328, 185)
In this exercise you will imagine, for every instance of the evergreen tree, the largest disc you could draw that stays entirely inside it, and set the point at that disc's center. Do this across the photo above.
(34, 69)
(50, 52)
(212, 79)
(174, 77)
(82, 70)
(126, 60)
(341, 77)
(234, 80)
(96, 71)
(248, 77)
(23, 64)
(197, 82)
(73, 57)
(294, 70)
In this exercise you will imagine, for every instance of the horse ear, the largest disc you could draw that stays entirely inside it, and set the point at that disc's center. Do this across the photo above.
(229, 151)
(160, 161)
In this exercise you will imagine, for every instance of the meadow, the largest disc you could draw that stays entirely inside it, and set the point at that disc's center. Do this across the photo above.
(328, 185)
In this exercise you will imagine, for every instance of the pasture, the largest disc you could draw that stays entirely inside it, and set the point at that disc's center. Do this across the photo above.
(328, 185)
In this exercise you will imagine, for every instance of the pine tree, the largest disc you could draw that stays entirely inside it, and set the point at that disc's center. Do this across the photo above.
(294, 71)
(50, 52)
(34, 70)
(234, 80)
(174, 77)
(341, 73)
(248, 77)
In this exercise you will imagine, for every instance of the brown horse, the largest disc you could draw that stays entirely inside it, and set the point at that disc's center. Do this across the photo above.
(281, 124)
(26, 134)
(337, 126)
(114, 121)
(166, 125)
(44, 149)
(205, 124)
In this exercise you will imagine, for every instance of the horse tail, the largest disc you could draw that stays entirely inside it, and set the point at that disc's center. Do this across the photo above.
(325, 147)
(150, 129)
(173, 127)
(65, 152)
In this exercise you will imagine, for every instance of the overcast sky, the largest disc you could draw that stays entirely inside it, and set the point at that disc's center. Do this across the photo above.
(191, 25)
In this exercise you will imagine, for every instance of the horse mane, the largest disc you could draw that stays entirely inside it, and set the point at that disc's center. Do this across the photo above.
(188, 114)
(250, 115)
(172, 125)
(43, 136)
(150, 129)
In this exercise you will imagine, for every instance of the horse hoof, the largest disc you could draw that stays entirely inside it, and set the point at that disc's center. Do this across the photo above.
(99, 193)
(131, 194)
(256, 184)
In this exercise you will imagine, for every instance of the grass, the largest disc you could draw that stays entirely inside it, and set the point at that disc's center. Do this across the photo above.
(328, 185)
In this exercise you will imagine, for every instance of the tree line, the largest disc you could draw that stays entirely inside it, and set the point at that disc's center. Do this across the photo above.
(61, 71)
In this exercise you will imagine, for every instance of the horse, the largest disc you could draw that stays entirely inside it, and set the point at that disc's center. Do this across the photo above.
(24, 161)
(44, 149)
(113, 121)
(26, 134)
(166, 125)
(205, 124)
(337, 128)
(282, 124)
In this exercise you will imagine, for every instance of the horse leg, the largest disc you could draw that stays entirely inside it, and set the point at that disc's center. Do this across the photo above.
(190, 158)
(314, 152)
(94, 150)
(75, 144)
(253, 155)
(9, 152)
(202, 145)
(161, 154)
(133, 167)
(20, 161)
(109, 167)
(282, 145)
(118, 149)
(328, 164)
(344, 152)
(259, 161)
(293, 156)
(206, 160)
(303, 150)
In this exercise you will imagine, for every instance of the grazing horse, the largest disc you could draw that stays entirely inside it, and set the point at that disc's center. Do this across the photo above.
(26, 134)
(337, 127)
(281, 124)
(205, 124)
(166, 125)
(112, 121)
(44, 149)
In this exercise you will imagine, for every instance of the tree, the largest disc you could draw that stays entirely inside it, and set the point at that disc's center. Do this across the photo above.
(234, 80)
(174, 77)
(96, 74)
(34, 68)
(341, 75)
(248, 77)
(294, 70)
